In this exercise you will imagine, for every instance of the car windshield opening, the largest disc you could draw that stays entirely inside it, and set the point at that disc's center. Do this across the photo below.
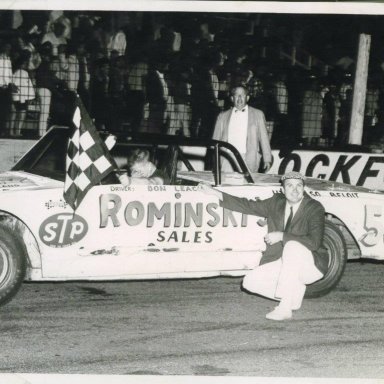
(47, 157)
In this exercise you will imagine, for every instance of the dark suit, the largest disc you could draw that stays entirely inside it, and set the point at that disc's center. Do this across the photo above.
(307, 226)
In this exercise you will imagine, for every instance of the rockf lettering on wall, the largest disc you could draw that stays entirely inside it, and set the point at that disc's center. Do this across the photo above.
(362, 169)
(287, 160)
(323, 159)
(342, 167)
(368, 172)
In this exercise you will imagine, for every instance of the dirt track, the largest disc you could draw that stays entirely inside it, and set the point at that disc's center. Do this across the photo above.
(195, 327)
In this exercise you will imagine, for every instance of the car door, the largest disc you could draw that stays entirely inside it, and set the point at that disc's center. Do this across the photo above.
(232, 241)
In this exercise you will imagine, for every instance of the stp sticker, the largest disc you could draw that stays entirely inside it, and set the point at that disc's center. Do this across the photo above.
(63, 230)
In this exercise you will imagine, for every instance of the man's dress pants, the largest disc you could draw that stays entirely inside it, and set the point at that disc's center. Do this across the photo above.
(285, 279)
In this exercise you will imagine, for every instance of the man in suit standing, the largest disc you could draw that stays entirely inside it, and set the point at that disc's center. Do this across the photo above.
(245, 128)
(294, 255)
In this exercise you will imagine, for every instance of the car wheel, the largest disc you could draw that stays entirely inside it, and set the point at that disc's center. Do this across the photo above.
(12, 264)
(337, 250)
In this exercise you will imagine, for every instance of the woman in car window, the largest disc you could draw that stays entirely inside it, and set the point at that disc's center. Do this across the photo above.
(142, 170)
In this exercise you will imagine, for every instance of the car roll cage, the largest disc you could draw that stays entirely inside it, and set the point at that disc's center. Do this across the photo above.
(148, 139)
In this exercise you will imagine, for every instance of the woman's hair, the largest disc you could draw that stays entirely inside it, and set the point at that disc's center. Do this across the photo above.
(138, 155)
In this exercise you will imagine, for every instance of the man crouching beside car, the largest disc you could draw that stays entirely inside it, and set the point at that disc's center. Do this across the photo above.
(294, 255)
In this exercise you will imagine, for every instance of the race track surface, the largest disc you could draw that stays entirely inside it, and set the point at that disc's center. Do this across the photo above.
(194, 327)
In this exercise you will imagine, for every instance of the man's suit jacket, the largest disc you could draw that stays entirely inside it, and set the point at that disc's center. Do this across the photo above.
(257, 136)
(307, 226)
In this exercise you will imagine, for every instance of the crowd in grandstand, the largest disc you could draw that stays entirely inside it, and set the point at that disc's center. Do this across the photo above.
(168, 77)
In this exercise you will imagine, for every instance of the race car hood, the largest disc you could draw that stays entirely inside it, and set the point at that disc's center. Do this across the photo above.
(16, 181)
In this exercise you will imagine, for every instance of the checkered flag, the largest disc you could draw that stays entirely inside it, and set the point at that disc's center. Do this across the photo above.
(88, 159)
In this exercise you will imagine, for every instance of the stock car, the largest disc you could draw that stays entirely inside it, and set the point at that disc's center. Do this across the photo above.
(160, 231)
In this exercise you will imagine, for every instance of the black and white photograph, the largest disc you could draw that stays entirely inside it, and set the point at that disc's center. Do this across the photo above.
(191, 192)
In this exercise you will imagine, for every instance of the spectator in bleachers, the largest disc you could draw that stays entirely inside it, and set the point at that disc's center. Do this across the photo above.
(55, 37)
(345, 119)
(59, 17)
(205, 33)
(73, 67)
(312, 107)
(99, 40)
(346, 84)
(83, 87)
(204, 96)
(181, 91)
(331, 107)
(117, 86)
(7, 87)
(202, 41)
(46, 49)
(46, 83)
(294, 86)
(191, 43)
(137, 74)
(280, 92)
(100, 94)
(256, 86)
(30, 42)
(25, 92)
(60, 62)
(117, 42)
(165, 42)
(371, 133)
(157, 93)
(224, 76)
(239, 69)
(113, 55)
(271, 107)
(345, 62)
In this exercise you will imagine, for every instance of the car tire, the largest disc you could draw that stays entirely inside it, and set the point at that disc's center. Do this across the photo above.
(337, 250)
(12, 264)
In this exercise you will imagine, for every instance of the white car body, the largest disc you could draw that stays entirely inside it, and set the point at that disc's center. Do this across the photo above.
(164, 231)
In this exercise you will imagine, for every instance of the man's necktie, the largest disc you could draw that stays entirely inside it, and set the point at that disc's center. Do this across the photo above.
(240, 110)
(289, 221)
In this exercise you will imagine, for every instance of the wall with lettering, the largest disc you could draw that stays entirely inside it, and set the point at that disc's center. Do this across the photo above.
(363, 169)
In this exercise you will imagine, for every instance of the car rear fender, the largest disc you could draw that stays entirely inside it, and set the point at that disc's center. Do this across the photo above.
(20, 228)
